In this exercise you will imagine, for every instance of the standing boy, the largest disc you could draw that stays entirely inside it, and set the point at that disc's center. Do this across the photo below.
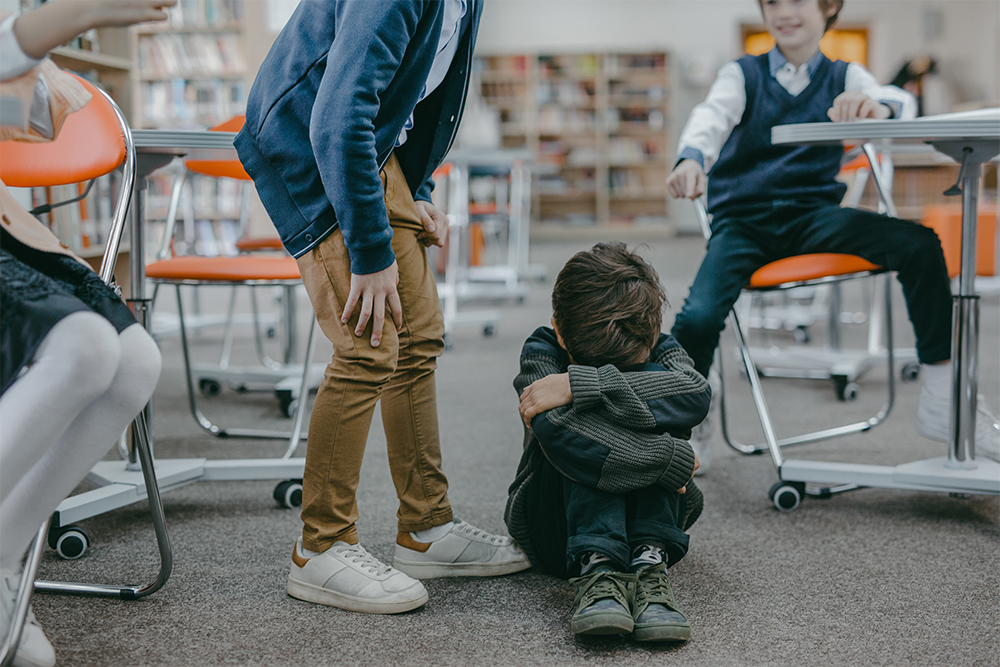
(770, 202)
(352, 110)
(604, 489)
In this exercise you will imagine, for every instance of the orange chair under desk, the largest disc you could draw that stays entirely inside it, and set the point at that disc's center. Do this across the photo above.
(94, 141)
(250, 270)
(794, 272)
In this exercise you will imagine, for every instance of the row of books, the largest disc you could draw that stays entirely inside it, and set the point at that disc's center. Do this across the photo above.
(184, 104)
(83, 226)
(190, 54)
(190, 13)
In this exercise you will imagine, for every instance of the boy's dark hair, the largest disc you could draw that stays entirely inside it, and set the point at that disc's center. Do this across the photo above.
(824, 6)
(607, 304)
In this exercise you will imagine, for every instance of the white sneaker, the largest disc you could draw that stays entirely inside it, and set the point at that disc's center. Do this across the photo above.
(34, 649)
(348, 577)
(934, 422)
(465, 551)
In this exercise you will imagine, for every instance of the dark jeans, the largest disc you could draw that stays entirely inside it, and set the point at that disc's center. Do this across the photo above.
(614, 524)
(741, 245)
(565, 521)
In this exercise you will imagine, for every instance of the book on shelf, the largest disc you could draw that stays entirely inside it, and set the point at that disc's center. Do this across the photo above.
(83, 226)
(196, 13)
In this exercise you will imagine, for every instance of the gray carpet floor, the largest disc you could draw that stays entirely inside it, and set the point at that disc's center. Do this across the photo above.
(870, 577)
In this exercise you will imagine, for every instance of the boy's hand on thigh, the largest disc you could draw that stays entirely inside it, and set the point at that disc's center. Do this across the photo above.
(374, 290)
(855, 105)
(686, 180)
(543, 395)
(697, 464)
(435, 224)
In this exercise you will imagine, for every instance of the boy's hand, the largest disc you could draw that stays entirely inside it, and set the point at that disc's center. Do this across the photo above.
(855, 105)
(373, 291)
(435, 224)
(697, 464)
(542, 395)
(686, 180)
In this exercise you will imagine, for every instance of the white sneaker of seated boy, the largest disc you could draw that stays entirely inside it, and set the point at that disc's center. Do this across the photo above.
(934, 410)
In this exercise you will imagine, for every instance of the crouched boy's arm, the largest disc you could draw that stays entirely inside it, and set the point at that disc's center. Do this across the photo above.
(664, 396)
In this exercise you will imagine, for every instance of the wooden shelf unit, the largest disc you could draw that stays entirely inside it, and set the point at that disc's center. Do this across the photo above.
(597, 125)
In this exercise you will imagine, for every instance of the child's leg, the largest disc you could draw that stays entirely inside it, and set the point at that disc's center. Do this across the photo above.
(911, 250)
(596, 540)
(345, 401)
(733, 254)
(135, 368)
(655, 518)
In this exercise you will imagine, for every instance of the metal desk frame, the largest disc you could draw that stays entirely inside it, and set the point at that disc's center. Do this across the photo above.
(971, 139)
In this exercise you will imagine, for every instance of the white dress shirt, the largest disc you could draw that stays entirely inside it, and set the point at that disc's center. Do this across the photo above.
(454, 12)
(712, 121)
(13, 63)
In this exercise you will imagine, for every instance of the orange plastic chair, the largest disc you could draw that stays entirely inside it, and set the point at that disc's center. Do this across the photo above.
(252, 270)
(804, 271)
(94, 141)
(946, 221)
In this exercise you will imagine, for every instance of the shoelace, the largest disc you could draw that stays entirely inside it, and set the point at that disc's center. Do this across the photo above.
(498, 540)
(603, 585)
(654, 589)
(358, 554)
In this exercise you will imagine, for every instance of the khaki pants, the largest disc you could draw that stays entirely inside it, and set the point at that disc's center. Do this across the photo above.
(400, 372)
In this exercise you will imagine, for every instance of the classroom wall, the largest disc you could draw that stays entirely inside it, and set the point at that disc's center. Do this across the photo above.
(701, 35)
(961, 34)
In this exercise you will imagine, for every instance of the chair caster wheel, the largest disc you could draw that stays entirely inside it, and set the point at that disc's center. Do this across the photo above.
(910, 372)
(271, 333)
(289, 493)
(846, 391)
(801, 334)
(209, 387)
(70, 542)
(787, 496)
(489, 331)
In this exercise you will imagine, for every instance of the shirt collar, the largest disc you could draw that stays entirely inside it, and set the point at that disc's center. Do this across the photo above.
(776, 61)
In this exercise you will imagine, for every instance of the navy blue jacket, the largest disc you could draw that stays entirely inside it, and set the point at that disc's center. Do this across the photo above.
(751, 171)
(327, 106)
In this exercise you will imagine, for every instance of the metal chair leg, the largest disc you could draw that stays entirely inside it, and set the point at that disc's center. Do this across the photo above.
(771, 443)
(196, 412)
(141, 437)
(23, 600)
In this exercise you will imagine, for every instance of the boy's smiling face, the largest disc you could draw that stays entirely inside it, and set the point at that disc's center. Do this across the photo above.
(796, 25)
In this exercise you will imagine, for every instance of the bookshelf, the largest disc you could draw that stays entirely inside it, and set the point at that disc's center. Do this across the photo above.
(597, 125)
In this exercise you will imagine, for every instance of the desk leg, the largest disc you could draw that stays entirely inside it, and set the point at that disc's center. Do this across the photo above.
(965, 334)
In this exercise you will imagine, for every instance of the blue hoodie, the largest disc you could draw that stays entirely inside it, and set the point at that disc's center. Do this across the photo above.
(327, 107)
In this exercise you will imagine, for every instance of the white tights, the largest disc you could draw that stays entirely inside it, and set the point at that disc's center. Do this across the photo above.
(85, 384)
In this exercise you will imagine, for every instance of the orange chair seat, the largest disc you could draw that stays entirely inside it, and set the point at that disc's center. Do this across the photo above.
(261, 243)
(808, 267)
(218, 168)
(224, 269)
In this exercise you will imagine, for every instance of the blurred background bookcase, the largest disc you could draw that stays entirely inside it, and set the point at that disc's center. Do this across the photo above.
(597, 126)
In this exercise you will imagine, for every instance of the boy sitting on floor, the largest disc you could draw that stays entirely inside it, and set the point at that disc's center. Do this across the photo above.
(604, 489)
(769, 202)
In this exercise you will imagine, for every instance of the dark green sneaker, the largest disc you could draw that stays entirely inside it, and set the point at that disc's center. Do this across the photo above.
(657, 618)
(602, 603)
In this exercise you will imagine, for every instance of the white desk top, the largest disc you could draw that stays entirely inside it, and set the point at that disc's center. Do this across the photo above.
(973, 125)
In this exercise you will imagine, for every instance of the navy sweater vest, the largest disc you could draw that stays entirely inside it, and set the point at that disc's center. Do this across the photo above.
(751, 172)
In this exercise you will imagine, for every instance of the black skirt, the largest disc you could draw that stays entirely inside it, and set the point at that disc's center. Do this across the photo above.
(37, 290)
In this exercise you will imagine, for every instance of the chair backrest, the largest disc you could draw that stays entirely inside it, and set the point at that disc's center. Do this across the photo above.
(94, 141)
(221, 168)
